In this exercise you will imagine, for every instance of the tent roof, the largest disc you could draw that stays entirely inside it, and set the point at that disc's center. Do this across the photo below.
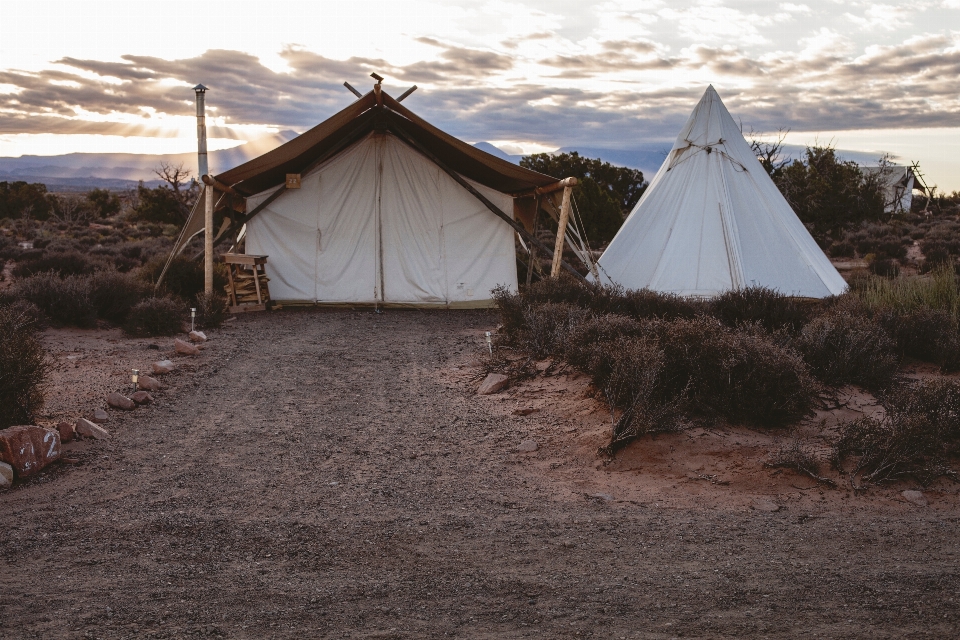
(712, 220)
(352, 124)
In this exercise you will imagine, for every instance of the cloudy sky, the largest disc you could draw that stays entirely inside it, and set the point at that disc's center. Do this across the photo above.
(526, 75)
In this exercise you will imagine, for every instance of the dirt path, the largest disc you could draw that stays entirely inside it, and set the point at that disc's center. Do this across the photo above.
(327, 474)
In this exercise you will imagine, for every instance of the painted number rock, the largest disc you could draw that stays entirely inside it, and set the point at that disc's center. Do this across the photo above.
(29, 449)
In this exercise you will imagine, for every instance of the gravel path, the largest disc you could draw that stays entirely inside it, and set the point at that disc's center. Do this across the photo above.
(320, 476)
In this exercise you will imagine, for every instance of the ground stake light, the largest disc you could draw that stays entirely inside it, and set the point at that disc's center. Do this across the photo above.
(489, 343)
(135, 377)
(193, 316)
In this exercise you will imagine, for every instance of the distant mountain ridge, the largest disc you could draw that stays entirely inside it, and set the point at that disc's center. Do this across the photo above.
(121, 171)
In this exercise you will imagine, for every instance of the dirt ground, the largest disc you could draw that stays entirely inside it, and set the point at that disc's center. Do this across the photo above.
(321, 473)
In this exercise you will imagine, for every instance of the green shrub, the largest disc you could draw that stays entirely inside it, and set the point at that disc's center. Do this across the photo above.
(23, 369)
(917, 437)
(64, 301)
(842, 250)
(925, 334)
(885, 268)
(155, 317)
(753, 305)
(843, 347)
(937, 291)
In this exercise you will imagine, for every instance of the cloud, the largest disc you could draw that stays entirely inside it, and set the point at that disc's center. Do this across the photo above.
(597, 93)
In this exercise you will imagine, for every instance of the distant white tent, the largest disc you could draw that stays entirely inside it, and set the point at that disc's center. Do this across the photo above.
(712, 220)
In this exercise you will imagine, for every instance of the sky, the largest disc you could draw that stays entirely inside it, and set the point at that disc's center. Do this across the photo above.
(528, 76)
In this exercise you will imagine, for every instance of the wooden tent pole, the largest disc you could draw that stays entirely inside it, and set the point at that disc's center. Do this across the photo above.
(533, 247)
(208, 241)
(561, 231)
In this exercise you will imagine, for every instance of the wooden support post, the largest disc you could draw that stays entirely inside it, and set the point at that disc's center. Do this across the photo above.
(208, 241)
(561, 231)
(533, 247)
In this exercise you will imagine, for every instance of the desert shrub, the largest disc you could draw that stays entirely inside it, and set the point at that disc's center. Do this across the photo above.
(510, 307)
(937, 291)
(64, 301)
(184, 278)
(546, 326)
(843, 347)
(797, 455)
(23, 369)
(211, 310)
(753, 305)
(560, 290)
(155, 316)
(589, 344)
(66, 263)
(642, 304)
(885, 268)
(925, 334)
(114, 294)
(740, 374)
(634, 385)
(916, 438)
(842, 250)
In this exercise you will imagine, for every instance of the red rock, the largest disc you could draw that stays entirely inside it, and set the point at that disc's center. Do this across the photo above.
(146, 383)
(120, 401)
(493, 383)
(162, 367)
(100, 416)
(142, 397)
(67, 431)
(90, 430)
(197, 336)
(28, 449)
(6, 476)
(528, 446)
(185, 348)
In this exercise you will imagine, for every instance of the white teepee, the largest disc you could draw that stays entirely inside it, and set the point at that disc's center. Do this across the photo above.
(712, 220)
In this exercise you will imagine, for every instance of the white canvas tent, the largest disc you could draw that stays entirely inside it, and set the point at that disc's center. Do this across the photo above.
(377, 206)
(712, 220)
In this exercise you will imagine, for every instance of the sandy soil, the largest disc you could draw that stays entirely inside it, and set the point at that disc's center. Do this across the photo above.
(333, 474)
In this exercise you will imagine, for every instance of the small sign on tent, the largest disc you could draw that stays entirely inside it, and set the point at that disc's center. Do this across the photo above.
(293, 181)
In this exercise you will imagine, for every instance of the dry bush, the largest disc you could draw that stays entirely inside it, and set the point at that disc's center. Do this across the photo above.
(769, 308)
(184, 279)
(797, 455)
(546, 327)
(23, 368)
(114, 294)
(65, 263)
(926, 334)
(917, 438)
(843, 347)
(64, 301)
(155, 317)
(741, 374)
(211, 310)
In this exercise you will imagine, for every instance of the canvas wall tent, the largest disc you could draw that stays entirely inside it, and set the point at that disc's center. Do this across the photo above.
(389, 210)
(898, 182)
(712, 220)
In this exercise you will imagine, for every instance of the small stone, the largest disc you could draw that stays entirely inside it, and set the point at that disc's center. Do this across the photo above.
(493, 383)
(146, 383)
(28, 448)
(766, 505)
(197, 336)
(67, 431)
(90, 430)
(915, 497)
(185, 348)
(543, 365)
(162, 367)
(6, 475)
(528, 446)
(120, 401)
(142, 397)
(100, 416)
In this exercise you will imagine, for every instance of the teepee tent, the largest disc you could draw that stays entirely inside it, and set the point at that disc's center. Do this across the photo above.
(377, 206)
(712, 220)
